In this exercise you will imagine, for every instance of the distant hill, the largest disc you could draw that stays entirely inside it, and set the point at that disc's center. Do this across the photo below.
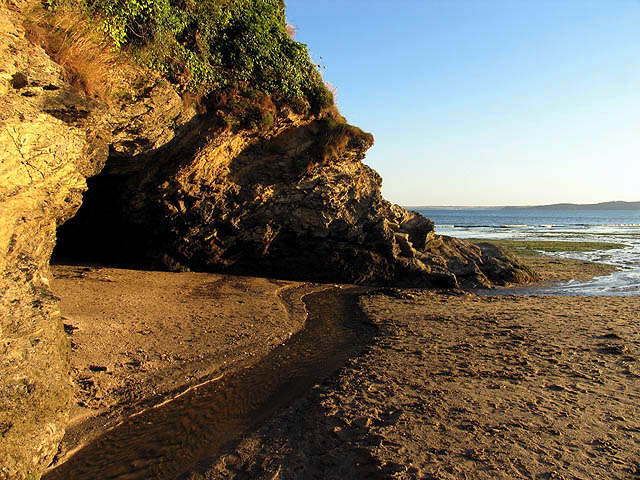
(449, 207)
(577, 206)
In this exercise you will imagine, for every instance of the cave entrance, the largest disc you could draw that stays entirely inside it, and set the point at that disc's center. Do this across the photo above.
(100, 233)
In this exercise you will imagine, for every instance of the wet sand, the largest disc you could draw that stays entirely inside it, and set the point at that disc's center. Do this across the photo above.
(459, 386)
(139, 338)
(454, 386)
(169, 439)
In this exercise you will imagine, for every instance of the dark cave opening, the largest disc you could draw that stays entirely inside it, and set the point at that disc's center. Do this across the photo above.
(100, 233)
(121, 222)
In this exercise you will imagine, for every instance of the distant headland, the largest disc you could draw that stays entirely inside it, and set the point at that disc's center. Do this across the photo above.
(579, 206)
(617, 205)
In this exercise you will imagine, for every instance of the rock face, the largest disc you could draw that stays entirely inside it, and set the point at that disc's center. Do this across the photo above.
(43, 164)
(260, 203)
(183, 191)
(51, 139)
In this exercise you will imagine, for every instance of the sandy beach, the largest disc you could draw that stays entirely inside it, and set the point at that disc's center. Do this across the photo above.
(461, 386)
(454, 385)
(139, 338)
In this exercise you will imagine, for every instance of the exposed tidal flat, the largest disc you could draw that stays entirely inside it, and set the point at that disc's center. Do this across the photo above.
(533, 248)
(609, 237)
(453, 385)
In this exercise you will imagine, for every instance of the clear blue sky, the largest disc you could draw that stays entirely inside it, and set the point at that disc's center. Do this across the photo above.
(479, 102)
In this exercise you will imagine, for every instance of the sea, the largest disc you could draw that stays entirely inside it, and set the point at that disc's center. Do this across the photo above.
(615, 226)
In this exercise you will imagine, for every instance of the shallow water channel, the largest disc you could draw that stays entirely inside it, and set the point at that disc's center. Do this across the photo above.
(167, 441)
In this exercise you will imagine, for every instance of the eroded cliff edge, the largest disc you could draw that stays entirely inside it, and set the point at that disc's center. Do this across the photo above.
(267, 202)
(173, 187)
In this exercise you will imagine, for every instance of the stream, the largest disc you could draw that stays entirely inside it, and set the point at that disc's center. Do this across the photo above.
(167, 441)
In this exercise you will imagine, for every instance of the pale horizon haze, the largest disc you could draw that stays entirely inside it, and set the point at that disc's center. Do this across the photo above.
(490, 103)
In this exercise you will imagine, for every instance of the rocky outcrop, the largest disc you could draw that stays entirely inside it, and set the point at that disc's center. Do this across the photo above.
(43, 164)
(166, 187)
(51, 139)
(263, 203)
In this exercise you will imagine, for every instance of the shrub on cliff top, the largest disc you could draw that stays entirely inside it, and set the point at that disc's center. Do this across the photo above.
(207, 45)
(332, 137)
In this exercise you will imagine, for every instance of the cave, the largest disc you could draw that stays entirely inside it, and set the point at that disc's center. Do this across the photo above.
(99, 233)
(122, 221)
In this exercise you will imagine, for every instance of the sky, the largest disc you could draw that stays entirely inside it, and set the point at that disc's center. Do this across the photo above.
(487, 102)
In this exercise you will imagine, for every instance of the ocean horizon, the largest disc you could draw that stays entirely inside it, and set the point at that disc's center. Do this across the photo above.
(613, 205)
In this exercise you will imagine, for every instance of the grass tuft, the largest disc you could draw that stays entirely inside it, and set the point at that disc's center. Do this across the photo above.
(87, 58)
(334, 137)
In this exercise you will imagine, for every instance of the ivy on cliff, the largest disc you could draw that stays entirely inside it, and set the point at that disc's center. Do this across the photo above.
(208, 45)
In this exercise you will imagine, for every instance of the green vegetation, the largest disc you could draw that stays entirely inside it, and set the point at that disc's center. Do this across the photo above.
(232, 58)
(210, 45)
(532, 248)
(244, 108)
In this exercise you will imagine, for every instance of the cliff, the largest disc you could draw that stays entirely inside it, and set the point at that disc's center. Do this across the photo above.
(283, 194)
(263, 203)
